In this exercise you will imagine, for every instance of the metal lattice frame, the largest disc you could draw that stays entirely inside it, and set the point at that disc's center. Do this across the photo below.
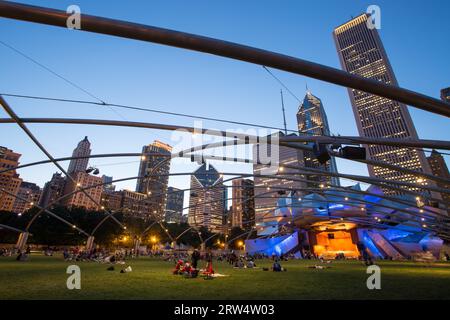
(248, 54)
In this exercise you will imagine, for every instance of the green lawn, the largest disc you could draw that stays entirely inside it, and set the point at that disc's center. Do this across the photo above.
(45, 278)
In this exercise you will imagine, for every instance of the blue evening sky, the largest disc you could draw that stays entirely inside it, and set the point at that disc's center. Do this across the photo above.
(415, 35)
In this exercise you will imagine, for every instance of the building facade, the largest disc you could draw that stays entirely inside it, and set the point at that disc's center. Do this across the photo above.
(174, 205)
(83, 149)
(445, 94)
(361, 53)
(243, 204)
(112, 200)
(9, 180)
(439, 168)
(80, 199)
(267, 188)
(312, 121)
(52, 191)
(28, 196)
(155, 163)
(128, 202)
(139, 205)
(206, 203)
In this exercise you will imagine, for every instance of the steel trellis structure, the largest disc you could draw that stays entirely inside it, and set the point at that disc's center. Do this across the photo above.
(222, 48)
(237, 52)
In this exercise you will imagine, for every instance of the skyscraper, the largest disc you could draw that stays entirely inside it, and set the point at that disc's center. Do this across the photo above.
(243, 207)
(361, 53)
(108, 186)
(52, 190)
(155, 162)
(206, 199)
(28, 195)
(83, 149)
(439, 168)
(174, 205)
(312, 121)
(9, 180)
(266, 188)
(445, 94)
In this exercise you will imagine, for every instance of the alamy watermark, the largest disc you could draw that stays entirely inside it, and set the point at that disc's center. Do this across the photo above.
(74, 280)
(374, 280)
(374, 21)
(254, 146)
(74, 20)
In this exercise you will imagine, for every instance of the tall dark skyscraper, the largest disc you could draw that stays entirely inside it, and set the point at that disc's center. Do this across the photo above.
(53, 190)
(445, 94)
(174, 205)
(243, 208)
(312, 121)
(440, 169)
(83, 149)
(109, 186)
(155, 186)
(361, 52)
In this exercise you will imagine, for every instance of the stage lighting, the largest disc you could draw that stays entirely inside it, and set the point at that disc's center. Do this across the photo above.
(89, 170)
(355, 153)
(321, 152)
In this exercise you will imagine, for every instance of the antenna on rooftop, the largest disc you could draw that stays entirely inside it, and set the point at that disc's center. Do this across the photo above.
(282, 108)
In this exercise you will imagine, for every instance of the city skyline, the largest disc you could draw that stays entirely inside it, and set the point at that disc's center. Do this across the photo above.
(264, 91)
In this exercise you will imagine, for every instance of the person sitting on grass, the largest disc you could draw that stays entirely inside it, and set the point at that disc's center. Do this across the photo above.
(66, 254)
(189, 271)
(186, 268)
(251, 264)
(178, 267)
(277, 266)
(22, 256)
(239, 264)
(209, 271)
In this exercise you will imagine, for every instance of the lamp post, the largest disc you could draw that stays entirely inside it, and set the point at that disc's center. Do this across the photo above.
(153, 240)
(241, 245)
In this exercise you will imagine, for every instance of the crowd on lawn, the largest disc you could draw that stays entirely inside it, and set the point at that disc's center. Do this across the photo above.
(236, 259)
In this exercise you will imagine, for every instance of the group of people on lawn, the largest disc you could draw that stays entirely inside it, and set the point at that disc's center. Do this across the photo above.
(190, 269)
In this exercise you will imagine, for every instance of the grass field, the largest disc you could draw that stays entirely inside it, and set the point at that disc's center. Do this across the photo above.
(45, 278)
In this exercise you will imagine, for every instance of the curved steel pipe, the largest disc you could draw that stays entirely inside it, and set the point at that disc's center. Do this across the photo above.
(4, 226)
(414, 143)
(222, 48)
(204, 131)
